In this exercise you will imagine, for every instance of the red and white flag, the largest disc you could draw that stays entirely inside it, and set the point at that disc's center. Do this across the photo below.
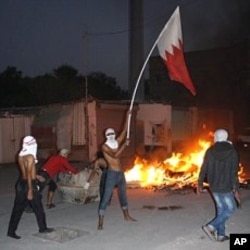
(170, 46)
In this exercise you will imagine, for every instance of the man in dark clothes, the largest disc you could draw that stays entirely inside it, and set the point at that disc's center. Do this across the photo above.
(27, 190)
(220, 168)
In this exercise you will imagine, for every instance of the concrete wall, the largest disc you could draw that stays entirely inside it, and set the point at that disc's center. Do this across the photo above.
(156, 118)
(12, 130)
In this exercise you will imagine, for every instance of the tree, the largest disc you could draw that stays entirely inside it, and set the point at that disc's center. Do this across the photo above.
(12, 93)
(62, 85)
(104, 88)
(65, 73)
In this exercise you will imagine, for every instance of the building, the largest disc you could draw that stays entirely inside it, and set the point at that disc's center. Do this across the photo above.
(221, 77)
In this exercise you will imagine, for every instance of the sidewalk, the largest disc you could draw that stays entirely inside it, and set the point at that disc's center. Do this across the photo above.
(166, 221)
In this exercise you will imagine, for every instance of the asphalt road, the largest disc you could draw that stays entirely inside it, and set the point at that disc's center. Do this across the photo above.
(165, 220)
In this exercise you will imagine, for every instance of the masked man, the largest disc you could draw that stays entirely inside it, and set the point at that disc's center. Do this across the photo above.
(220, 170)
(112, 149)
(27, 190)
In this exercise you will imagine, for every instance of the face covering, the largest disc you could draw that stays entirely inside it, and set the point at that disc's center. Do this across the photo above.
(111, 141)
(29, 147)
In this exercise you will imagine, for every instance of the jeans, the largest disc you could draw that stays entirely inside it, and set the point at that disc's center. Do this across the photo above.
(114, 178)
(102, 182)
(225, 207)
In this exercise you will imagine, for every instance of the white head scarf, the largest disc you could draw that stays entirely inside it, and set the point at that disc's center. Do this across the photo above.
(220, 135)
(64, 152)
(29, 147)
(111, 141)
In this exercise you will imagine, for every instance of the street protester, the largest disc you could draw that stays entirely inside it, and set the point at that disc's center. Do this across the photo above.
(112, 149)
(98, 164)
(220, 170)
(27, 189)
(54, 165)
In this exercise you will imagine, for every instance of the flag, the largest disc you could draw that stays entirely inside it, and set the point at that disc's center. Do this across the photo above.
(170, 46)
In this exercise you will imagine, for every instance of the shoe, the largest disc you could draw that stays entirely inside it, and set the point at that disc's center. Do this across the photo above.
(47, 230)
(14, 236)
(49, 206)
(210, 233)
(223, 238)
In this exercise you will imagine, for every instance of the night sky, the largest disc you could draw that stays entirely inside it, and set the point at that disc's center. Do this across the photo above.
(38, 36)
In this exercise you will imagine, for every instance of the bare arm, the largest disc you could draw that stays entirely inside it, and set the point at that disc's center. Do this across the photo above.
(97, 163)
(31, 174)
(101, 162)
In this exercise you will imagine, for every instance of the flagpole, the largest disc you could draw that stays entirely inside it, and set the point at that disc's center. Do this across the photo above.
(139, 78)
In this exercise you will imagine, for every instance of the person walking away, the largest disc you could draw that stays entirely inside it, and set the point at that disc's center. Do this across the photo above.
(27, 189)
(220, 168)
(112, 149)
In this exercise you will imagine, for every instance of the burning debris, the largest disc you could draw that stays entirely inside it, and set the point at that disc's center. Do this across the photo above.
(177, 173)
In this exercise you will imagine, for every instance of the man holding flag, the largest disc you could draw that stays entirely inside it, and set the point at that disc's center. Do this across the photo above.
(112, 150)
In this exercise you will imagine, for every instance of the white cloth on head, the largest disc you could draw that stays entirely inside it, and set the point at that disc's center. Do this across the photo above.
(64, 152)
(29, 147)
(220, 135)
(109, 131)
(111, 141)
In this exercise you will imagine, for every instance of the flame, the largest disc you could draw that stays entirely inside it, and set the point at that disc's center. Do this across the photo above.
(177, 171)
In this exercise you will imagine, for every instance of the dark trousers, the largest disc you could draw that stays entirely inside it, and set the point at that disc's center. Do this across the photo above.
(48, 181)
(21, 202)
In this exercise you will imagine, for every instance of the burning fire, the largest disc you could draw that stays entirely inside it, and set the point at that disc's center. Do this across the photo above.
(176, 172)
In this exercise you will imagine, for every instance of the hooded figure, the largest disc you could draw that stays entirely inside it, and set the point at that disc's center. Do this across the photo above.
(220, 135)
(220, 170)
(29, 147)
(110, 138)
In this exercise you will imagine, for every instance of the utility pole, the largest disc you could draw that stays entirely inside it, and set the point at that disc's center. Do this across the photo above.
(85, 56)
(85, 49)
(136, 46)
